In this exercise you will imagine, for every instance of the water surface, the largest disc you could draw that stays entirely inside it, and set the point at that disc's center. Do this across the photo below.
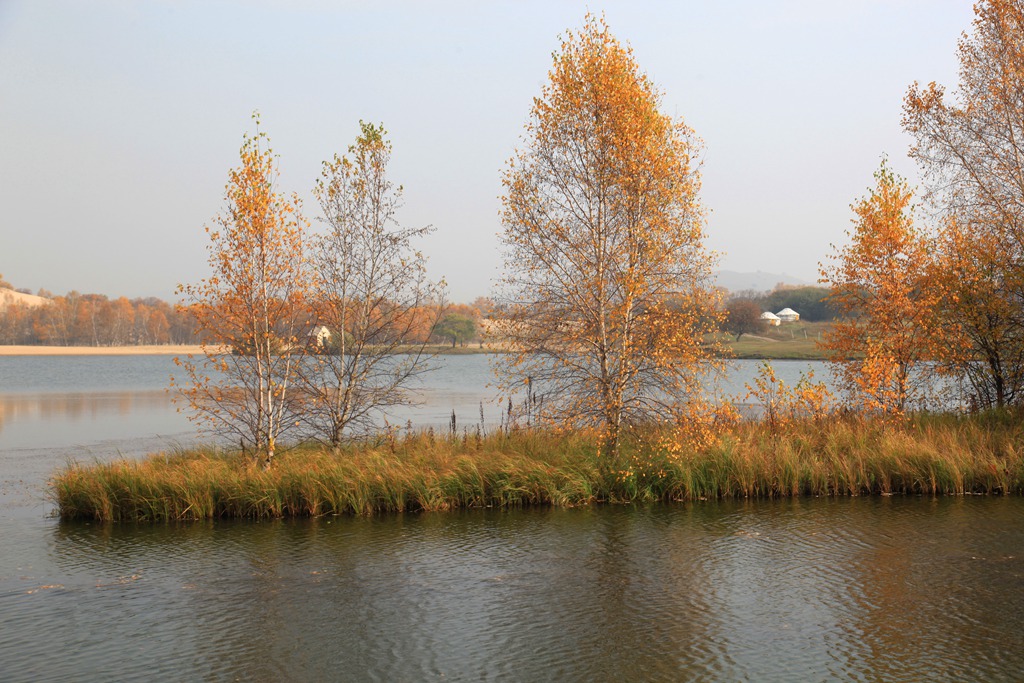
(861, 589)
(877, 589)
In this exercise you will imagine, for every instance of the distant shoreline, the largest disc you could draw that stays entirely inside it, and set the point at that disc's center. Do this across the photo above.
(147, 350)
(176, 350)
(782, 351)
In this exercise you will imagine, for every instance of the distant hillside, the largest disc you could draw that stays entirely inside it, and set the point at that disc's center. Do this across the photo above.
(9, 297)
(757, 281)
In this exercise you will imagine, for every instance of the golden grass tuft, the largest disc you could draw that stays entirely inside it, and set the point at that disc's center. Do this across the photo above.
(928, 454)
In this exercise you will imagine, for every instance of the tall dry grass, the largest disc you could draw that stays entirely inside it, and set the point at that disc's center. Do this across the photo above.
(849, 456)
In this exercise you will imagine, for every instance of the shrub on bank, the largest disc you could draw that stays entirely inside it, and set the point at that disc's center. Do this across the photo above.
(927, 454)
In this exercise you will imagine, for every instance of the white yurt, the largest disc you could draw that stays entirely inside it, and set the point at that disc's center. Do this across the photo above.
(770, 318)
(788, 315)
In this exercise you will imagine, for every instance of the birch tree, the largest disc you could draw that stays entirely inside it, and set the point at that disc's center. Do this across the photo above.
(251, 312)
(970, 149)
(373, 295)
(980, 317)
(607, 292)
(880, 285)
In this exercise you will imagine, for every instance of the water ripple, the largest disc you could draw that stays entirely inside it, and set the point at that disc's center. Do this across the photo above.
(850, 589)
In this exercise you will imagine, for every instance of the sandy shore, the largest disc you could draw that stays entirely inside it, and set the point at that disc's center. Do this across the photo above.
(162, 350)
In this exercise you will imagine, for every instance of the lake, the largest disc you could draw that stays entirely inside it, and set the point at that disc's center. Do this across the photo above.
(865, 589)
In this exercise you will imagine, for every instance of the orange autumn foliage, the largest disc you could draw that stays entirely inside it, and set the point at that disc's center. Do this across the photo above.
(979, 313)
(254, 303)
(783, 405)
(880, 284)
(970, 149)
(608, 295)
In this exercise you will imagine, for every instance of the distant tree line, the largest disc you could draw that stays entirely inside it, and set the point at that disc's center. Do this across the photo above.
(76, 319)
(810, 302)
(95, 320)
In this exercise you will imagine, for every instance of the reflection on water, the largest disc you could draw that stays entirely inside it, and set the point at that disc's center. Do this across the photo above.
(64, 419)
(851, 589)
(76, 406)
(40, 432)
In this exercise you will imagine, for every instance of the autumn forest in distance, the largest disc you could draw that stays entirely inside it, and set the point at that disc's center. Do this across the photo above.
(76, 319)
(94, 320)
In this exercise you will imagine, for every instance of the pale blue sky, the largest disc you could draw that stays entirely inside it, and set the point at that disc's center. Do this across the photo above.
(119, 120)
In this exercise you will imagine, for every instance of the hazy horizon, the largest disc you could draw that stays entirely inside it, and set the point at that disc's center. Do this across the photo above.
(120, 121)
(734, 281)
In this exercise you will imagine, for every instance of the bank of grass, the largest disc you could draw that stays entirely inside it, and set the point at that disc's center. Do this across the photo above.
(752, 347)
(929, 455)
(796, 341)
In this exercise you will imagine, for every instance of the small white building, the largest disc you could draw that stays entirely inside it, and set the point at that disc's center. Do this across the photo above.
(320, 336)
(788, 315)
(771, 318)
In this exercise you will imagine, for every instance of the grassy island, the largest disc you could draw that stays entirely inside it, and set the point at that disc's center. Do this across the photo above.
(924, 454)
